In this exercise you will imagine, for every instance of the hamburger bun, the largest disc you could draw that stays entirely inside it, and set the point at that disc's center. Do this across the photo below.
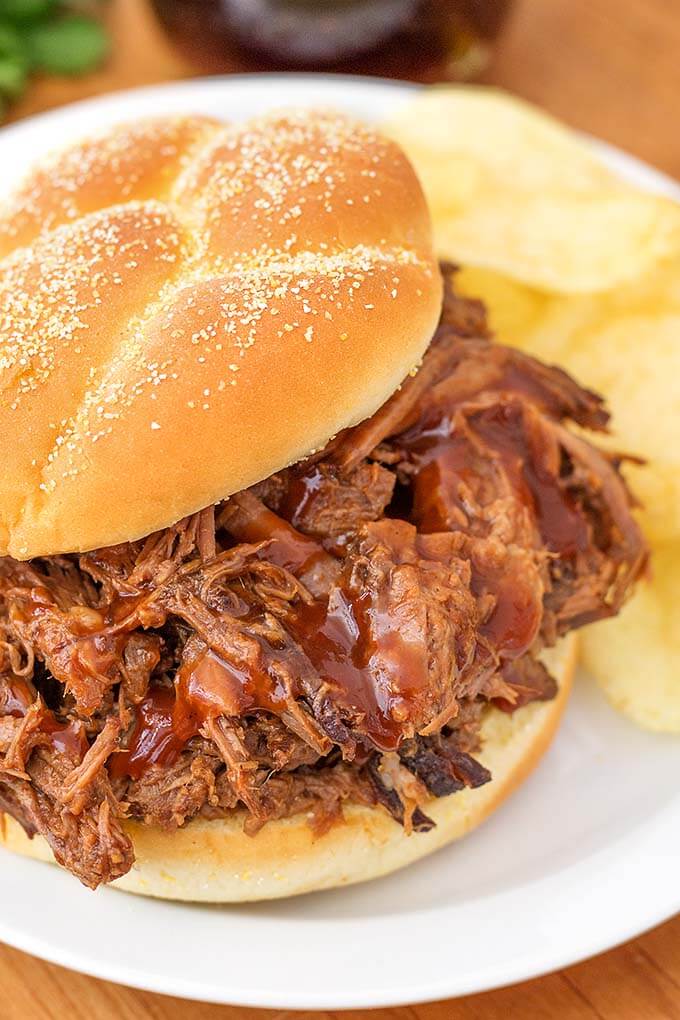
(187, 307)
(215, 862)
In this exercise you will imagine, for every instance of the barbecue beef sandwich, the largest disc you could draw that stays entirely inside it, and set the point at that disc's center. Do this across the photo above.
(292, 550)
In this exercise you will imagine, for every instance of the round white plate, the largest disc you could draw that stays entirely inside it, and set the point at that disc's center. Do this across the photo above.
(584, 856)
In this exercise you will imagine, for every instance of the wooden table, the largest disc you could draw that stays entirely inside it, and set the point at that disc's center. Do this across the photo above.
(611, 67)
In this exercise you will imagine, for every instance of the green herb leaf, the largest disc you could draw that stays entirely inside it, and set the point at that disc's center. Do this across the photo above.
(25, 10)
(11, 43)
(12, 77)
(71, 45)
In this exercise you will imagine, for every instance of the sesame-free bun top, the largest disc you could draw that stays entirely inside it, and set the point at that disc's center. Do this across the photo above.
(187, 307)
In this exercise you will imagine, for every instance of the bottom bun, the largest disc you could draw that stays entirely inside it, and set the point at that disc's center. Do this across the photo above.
(215, 862)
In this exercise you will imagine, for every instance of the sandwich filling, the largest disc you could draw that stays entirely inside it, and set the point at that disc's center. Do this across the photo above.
(334, 633)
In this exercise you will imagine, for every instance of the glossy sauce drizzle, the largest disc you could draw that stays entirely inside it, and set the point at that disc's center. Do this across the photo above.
(335, 637)
(561, 522)
(445, 460)
(206, 686)
(68, 738)
(513, 625)
(447, 464)
(344, 637)
(287, 547)
(341, 644)
(301, 491)
(155, 739)
(18, 698)
(92, 652)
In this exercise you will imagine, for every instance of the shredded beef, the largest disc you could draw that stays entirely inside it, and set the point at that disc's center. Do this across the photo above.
(332, 505)
(442, 766)
(50, 784)
(420, 623)
(336, 633)
(167, 795)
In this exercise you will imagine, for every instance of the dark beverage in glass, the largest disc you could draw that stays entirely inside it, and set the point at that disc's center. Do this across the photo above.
(426, 40)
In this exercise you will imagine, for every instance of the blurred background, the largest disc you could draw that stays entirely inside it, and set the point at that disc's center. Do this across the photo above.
(610, 67)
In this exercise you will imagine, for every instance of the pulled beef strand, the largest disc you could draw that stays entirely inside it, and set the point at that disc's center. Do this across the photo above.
(47, 784)
(332, 633)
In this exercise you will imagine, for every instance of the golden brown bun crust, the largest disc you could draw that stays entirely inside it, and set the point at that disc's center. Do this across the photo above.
(187, 307)
(215, 862)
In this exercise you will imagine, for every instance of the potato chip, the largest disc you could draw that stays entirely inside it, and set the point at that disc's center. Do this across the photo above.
(636, 656)
(541, 323)
(583, 271)
(514, 191)
(513, 307)
(626, 345)
(635, 361)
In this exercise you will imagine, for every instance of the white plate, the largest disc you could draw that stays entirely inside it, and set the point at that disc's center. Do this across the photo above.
(584, 856)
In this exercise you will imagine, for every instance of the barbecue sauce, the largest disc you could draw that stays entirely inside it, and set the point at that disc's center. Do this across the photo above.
(340, 642)
(562, 524)
(89, 651)
(18, 698)
(286, 547)
(448, 463)
(343, 637)
(155, 739)
(445, 460)
(334, 637)
(206, 686)
(68, 738)
(444, 464)
(513, 624)
(300, 494)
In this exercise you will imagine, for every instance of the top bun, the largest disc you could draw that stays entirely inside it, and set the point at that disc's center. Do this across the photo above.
(186, 308)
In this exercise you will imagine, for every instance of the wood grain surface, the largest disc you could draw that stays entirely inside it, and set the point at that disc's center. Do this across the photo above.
(611, 67)
(639, 981)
